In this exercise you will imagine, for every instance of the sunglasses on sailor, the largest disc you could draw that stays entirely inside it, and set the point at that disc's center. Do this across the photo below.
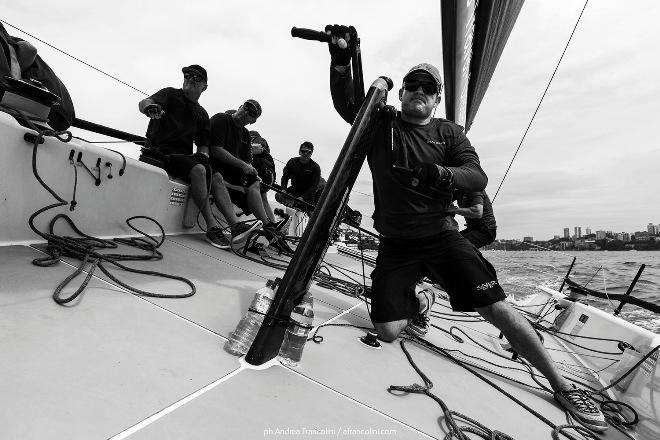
(305, 151)
(429, 88)
(192, 77)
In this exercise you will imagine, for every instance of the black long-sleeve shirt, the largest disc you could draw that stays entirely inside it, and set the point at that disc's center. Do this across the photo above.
(305, 177)
(183, 123)
(487, 219)
(403, 210)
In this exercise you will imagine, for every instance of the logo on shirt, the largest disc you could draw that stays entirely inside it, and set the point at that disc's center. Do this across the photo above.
(487, 285)
(431, 141)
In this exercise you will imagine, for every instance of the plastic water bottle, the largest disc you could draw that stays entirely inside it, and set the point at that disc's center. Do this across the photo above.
(241, 339)
(296, 335)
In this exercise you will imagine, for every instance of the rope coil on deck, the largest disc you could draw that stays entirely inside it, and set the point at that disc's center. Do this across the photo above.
(84, 247)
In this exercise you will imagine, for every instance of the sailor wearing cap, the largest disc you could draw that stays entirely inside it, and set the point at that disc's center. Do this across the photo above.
(177, 120)
(417, 162)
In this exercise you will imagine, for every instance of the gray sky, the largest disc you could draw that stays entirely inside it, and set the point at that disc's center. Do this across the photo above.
(590, 158)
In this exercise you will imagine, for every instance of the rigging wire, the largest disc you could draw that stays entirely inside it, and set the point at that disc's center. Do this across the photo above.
(75, 58)
(540, 102)
(118, 80)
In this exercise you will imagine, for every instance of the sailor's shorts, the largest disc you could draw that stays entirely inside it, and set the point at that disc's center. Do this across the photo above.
(446, 258)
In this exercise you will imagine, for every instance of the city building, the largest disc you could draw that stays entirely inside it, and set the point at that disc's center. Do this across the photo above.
(600, 235)
(588, 231)
(623, 236)
(567, 233)
(564, 245)
(578, 232)
(528, 239)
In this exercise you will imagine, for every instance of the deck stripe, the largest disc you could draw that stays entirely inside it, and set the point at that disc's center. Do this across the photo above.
(165, 411)
(364, 405)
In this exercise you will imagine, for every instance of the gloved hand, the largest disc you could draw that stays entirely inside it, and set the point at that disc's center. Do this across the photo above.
(426, 174)
(154, 111)
(201, 158)
(339, 56)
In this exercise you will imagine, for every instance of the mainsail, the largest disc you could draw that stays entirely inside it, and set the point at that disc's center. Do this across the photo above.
(474, 34)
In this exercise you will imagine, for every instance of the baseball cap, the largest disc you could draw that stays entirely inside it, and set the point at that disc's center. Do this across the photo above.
(428, 68)
(197, 70)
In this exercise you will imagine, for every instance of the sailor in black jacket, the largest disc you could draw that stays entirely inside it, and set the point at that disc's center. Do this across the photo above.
(419, 237)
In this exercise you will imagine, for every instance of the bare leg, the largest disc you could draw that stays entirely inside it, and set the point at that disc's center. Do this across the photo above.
(222, 199)
(269, 211)
(200, 195)
(389, 331)
(255, 203)
(524, 340)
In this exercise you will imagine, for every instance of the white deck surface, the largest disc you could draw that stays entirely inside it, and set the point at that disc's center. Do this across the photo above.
(115, 365)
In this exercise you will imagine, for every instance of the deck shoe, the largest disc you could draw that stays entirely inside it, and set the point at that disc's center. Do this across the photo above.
(217, 238)
(582, 408)
(419, 326)
(241, 230)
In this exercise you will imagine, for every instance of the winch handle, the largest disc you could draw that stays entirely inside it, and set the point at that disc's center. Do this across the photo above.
(311, 34)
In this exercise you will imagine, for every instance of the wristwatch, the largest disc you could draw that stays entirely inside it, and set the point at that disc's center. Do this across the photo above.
(447, 176)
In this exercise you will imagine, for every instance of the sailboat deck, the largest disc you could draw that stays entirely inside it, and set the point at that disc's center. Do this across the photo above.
(116, 365)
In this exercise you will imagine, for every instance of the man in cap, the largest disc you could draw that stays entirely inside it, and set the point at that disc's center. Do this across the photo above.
(231, 151)
(305, 177)
(176, 121)
(419, 237)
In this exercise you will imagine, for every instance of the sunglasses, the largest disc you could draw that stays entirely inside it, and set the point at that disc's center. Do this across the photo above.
(428, 87)
(193, 77)
(305, 151)
(251, 109)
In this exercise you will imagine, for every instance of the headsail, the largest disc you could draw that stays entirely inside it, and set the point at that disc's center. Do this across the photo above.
(474, 34)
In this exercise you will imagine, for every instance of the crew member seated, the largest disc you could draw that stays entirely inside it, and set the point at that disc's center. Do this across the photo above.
(176, 121)
(306, 181)
(231, 152)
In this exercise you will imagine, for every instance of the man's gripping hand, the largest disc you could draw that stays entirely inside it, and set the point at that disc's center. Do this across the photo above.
(248, 169)
(427, 174)
(340, 55)
(201, 158)
(154, 111)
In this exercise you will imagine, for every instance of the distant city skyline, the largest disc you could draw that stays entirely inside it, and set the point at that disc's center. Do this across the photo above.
(651, 228)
